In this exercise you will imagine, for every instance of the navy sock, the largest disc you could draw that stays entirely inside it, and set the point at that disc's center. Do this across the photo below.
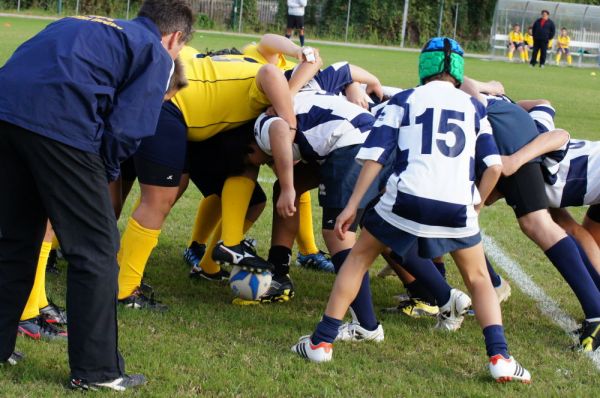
(362, 304)
(280, 257)
(588, 264)
(426, 273)
(326, 331)
(495, 342)
(441, 267)
(493, 275)
(301, 40)
(565, 257)
(417, 290)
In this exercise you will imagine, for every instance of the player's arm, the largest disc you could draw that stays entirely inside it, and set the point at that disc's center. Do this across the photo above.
(281, 142)
(271, 45)
(475, 88)
(487, 159)
(303, 73)
(360, 75)
(530, 104)
(542, 144)
(135, 111)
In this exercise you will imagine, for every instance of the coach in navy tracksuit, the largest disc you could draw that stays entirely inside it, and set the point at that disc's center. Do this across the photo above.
(543, 31)
(74, 101)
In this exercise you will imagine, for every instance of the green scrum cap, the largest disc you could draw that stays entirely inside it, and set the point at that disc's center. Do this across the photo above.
(441, 54)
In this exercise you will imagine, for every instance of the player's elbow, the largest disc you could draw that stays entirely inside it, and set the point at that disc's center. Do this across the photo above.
(494, 171)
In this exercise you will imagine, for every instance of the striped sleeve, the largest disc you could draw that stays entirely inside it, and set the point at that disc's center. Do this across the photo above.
(335, 78)
(383, 138)
(486, 150)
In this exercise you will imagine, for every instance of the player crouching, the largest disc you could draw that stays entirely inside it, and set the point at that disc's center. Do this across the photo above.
(430, 199)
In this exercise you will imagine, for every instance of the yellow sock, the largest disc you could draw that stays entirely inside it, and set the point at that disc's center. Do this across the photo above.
(306, 236)
(510, 56)
(569, 59)
(207, 263)
(557, 58)
(32, 307)
(235, 199)
(55, 243)
(523, 56)
(137, 244)
(208, 217)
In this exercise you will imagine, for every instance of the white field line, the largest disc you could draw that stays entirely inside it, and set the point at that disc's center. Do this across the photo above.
(547, 305)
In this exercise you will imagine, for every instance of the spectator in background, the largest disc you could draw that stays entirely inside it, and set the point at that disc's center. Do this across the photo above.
(528, 42)
(295, 19)
(563, 46)
(515, 42)
(543, 31)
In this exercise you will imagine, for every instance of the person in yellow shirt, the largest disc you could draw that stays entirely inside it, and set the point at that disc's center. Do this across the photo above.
(563, 42)
(206, 231)
(515, 42)
(224, 93)
(528, 42)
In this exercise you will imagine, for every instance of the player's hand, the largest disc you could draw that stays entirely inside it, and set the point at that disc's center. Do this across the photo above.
(343, 222)
(375, 89)
(285, 204)
(356, 95)
(496, 88)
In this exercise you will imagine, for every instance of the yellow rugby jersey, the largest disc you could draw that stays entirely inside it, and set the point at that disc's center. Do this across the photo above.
(564, 41)
(222, 93)
(528, 39)
(515, 37)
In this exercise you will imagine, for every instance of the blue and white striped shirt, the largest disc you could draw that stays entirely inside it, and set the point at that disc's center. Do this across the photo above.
(439, 133)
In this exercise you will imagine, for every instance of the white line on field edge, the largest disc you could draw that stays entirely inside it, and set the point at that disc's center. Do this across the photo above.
(548, 306)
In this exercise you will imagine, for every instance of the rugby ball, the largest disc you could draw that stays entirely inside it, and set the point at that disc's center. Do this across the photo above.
(249, 285)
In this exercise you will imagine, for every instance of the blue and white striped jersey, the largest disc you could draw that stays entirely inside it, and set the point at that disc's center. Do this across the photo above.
(543, 116)
(436, 131)
(332, 79)
(326, 122)
(577, 181)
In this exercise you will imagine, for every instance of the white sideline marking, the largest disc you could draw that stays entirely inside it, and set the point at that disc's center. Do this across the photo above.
(547, 305)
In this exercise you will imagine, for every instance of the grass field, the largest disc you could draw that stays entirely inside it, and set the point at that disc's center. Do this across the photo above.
(204, 346)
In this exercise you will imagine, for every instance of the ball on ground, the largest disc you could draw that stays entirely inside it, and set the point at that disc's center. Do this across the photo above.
(249, 285)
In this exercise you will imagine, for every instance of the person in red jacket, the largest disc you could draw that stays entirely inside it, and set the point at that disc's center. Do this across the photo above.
(543, 31)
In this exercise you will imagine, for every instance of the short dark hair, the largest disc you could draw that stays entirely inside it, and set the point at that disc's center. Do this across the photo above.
(170, 16)
(545, 12)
